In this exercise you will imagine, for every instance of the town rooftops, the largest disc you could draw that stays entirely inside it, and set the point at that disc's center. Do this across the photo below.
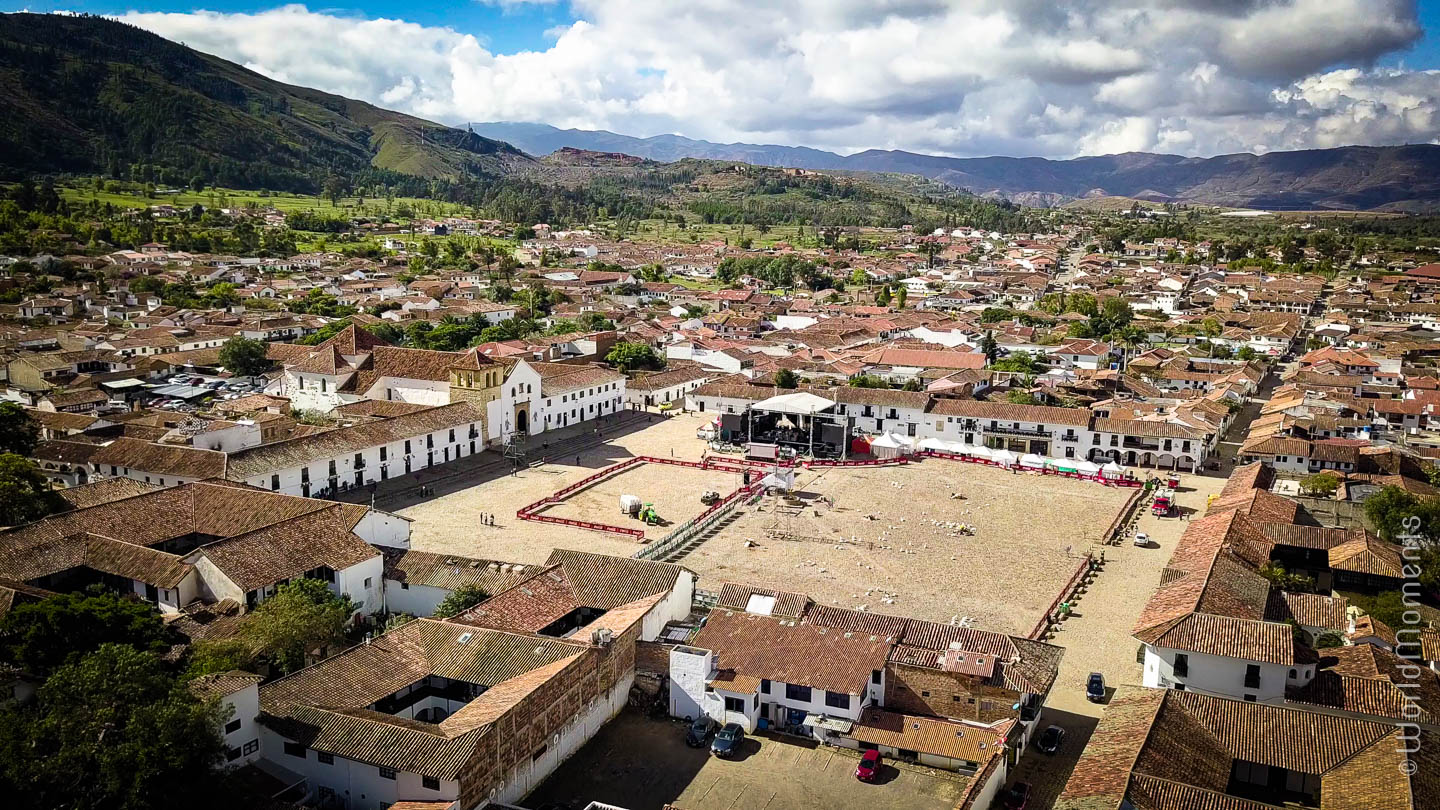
(1162, 749)
(790, 652)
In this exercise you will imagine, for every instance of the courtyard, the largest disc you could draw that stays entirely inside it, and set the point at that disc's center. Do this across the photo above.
(451, 522)
(888, 540)
(643, 764)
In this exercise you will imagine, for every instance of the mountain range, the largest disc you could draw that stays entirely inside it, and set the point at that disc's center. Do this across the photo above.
(1400, 178)
(91, 95)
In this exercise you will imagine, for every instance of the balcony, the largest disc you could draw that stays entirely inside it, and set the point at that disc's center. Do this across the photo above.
(1137, 444)
(1002, 430)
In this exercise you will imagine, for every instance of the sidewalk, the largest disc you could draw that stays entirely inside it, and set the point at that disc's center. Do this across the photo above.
(403, 491)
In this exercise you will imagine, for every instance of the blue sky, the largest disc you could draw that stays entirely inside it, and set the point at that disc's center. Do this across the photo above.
(504, 29)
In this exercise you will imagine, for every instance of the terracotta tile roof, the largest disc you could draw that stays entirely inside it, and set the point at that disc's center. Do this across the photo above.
(105, 491)
(559, 378)
(1307, 609)
(1368, 555)
(1251, 640)
(819, 657)
(287, 550)
(1171, 750)
(787, 604)
(931, 735)
(161, 459)
(570, 580)
(1371, 680)
(265, 459)
(222, 684)
(449, 571)
(325, 706)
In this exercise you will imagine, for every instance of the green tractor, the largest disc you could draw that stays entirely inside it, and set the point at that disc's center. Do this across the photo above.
(649, 515)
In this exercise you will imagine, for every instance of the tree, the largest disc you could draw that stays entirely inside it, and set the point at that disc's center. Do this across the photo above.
(1392, 512)
(858, 277)
(25, 494)
(41, 635)
(882, 298)
(219, 655)
(1284, 580)
(18, 431)
(460, 599)
(1323, 484)
(868, 381)
(302, 615)
(1328, 640)
(1018, 397)
(334, 189)
(989, 347)
(628, 356)
(900, 294)
(111, 729)
(245, 357)
(785, 378)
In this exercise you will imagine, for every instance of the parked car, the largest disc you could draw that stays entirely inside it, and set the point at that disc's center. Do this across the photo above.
(1017, 797)
(1050, 739)
(869, 768)
(1142, 539)
(700, 730)
(727, 741)
(1095, 688)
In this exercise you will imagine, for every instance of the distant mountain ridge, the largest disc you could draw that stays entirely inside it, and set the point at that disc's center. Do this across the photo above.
(1401, 178)
(91, 95)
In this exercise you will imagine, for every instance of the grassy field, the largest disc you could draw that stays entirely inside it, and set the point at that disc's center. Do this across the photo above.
(281, 201)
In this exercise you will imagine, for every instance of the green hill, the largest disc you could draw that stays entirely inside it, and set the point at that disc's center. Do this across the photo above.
(91, 95)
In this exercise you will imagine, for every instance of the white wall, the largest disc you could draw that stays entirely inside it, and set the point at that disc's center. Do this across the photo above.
(359, 783)
(384, 529)
(416, 600)
(246, 707)
(352, 581)
(1220, 675)
(422, 392)
(528, 776)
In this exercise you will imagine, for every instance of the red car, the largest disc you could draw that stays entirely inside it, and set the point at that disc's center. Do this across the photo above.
(869, 768)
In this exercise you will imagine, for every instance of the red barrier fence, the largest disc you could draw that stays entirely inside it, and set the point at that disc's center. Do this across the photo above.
(869, 462)
(1099, 479)
(1068, 591)
(586, 524)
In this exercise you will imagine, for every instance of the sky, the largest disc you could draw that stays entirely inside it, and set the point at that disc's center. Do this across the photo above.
(952, 77)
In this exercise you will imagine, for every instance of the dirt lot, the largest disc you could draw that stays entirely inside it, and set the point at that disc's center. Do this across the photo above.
(675, 492)
(890, 543)
(643, 764)
(1097, 638)
(451, 523)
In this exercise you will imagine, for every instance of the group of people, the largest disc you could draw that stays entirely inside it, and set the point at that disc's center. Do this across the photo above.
(487, 519)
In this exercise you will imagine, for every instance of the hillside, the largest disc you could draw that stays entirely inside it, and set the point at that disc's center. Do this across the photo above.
(1405, 178)
(90, 95)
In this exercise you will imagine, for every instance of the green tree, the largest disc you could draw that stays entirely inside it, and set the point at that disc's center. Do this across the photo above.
(25, 494)
(219, 655)
(628, 356)
(302, 615)
(785, 378)
(858, 277)
(882, 298)
(1018, 397)
(19, 432)
(111, 729)
(39, 636)
(461, 599)
(1323, 484)
(989, 347)
(900, 295)
(1328, 640)
(1388, 511)
(868, 381)
(245, 357)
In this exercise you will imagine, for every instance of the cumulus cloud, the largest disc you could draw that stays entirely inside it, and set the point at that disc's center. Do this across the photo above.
(1020, 77)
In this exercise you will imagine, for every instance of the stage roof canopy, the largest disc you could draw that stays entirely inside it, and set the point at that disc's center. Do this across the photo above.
(800, 402)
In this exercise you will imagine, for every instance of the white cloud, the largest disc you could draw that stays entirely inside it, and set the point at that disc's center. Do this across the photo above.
(977, 77)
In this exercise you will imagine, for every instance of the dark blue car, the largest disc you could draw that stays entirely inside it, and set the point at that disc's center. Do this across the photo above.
(1095, 688)
(727, 741)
